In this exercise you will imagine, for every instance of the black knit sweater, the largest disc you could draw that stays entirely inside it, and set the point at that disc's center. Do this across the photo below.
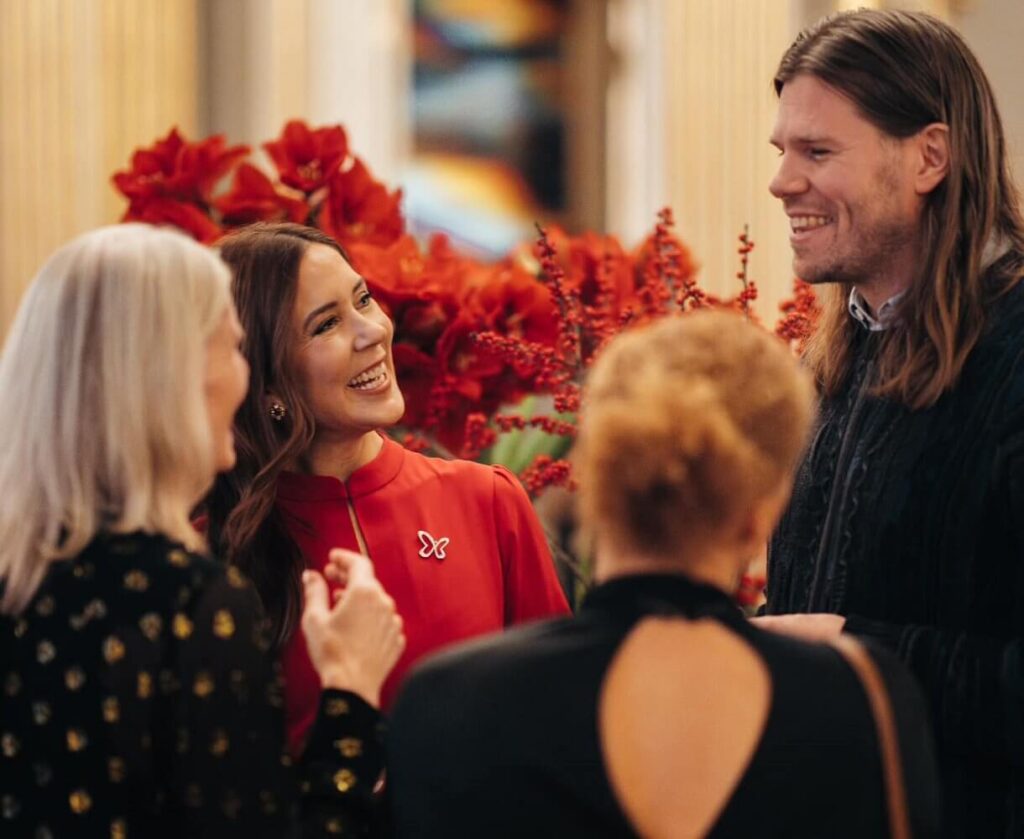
(911, 524)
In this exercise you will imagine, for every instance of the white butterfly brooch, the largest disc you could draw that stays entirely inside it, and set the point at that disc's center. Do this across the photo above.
(431, 546)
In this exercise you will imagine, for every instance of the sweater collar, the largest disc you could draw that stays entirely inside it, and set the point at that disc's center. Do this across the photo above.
(669, 594)
(384, 468)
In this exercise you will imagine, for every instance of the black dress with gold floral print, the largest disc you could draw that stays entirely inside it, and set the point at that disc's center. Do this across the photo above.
(138, 697)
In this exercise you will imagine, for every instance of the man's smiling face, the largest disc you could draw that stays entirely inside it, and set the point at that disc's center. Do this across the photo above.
(846, 186)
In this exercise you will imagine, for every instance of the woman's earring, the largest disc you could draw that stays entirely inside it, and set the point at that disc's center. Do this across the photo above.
(277, 411)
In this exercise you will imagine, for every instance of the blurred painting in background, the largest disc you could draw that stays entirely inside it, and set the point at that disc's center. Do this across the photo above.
(489, 120)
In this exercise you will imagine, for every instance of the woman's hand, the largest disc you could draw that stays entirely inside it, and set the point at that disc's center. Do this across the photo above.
(355, 642)
(812, 627)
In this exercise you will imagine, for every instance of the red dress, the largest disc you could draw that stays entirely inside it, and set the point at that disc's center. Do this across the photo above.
(455, 543)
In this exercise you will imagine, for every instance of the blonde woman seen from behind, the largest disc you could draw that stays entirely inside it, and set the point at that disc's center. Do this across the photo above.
(658, 710)
(138, 697)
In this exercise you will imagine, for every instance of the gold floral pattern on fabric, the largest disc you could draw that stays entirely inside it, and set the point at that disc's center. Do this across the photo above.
(144, 688)
(45, 652)
(182, 626)
(151, 625)
(74, 678)
(219, 745)
(80, 801)
(12, 684)
(41, 712)
(113, 649)
(115, 769)
(178, 558)
(136, 581)
(137, 671)
(344, 780)
(111, 709)
(76, 739)
(9, 744)
(223, 624)
(349, 746)
(203, 685)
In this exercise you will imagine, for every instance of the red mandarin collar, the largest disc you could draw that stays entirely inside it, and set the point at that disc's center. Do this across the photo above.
(384, 468)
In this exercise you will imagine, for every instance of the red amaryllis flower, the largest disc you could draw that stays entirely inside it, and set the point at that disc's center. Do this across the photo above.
(182, 214)
(515, 304)
(175, 168)
(253, 197)
(306, 158)
(359, 208)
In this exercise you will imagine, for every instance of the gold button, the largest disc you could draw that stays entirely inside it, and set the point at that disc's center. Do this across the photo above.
(115, 769)
(336, 707)
(111, 709)
(145, 685)
(344, 780)
(118, 830)
(80, 802)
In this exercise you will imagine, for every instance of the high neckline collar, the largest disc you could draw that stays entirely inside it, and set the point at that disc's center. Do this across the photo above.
(636, 594)
(367, 479)
(860, 310)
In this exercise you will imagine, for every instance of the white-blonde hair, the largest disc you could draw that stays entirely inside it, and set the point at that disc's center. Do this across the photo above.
(104, 418)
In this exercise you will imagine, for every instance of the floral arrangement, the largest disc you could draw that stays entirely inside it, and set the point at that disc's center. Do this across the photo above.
(471, 338)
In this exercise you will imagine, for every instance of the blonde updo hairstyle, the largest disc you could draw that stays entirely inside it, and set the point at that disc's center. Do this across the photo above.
(686, 424)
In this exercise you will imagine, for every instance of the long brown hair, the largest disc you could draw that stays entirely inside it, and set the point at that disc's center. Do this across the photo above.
(904, 71)
(243, 525)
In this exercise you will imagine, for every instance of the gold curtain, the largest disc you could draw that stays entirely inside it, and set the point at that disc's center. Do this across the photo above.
(82, 83)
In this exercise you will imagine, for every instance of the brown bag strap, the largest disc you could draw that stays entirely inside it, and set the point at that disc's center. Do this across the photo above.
(885, 724)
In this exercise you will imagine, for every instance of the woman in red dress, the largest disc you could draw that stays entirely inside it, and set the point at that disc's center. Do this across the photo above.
(455, 543)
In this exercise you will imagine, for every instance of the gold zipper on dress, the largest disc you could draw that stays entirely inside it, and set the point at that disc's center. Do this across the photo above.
(355, 526)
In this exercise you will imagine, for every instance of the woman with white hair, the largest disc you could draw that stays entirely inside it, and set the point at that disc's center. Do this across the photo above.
(138, 695)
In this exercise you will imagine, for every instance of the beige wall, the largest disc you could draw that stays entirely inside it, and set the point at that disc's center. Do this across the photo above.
(82, 82)
(995, 30)
(719, 59)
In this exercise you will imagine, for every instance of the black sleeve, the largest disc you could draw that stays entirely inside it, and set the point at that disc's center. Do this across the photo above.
(229, 774)
(974, 682)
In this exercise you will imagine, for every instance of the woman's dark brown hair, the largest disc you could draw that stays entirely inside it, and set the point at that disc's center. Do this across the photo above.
(243, 525)
(904, 71)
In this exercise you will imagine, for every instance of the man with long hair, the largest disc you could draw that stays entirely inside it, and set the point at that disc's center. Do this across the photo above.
(906, 524)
